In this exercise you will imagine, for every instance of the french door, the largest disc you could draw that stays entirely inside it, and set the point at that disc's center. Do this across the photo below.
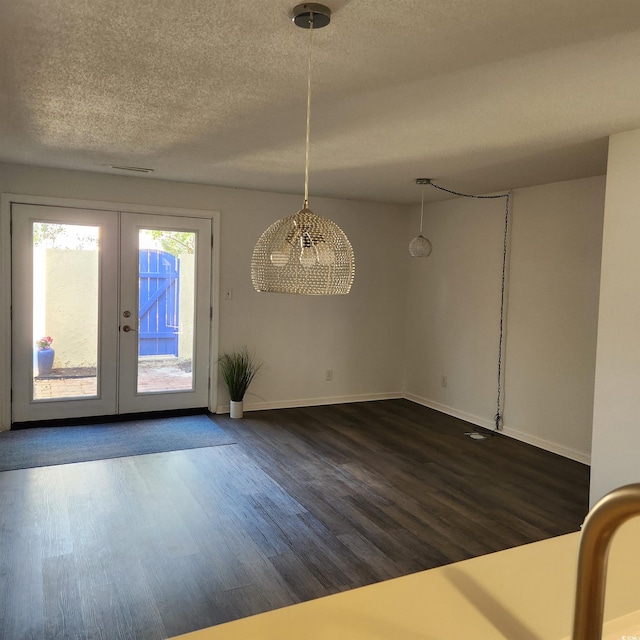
(110, 312)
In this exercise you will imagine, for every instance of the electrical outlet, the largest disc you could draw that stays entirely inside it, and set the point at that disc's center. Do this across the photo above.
(228, 294)
(329, 375)
(444, 381)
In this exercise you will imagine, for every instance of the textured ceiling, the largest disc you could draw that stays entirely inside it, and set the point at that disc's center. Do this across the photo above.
(482, 95)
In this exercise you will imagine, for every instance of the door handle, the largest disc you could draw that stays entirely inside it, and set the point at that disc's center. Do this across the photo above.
(127, 328)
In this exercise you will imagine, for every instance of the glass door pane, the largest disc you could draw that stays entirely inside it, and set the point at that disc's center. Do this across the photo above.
(166, 306)
(65, 310)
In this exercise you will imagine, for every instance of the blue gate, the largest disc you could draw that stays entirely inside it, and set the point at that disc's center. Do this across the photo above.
(158, 303)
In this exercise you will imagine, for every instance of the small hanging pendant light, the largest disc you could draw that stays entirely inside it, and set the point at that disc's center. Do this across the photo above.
(420, 247)
(304, 253)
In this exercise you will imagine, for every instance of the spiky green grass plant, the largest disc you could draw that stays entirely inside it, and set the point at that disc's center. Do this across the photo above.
(238, 368)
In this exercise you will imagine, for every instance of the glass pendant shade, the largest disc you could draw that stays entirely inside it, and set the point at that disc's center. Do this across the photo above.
(303, 254)
(420, 247)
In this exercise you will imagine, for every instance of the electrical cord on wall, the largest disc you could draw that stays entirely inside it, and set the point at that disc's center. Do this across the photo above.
(497, 418)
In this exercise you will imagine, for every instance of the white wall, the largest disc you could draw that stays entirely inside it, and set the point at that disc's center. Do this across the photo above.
(447, 304)
(454, 304)
(553, 314)
(358, 336)
(616, 414)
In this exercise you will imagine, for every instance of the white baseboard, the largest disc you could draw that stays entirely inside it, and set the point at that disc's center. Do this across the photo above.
(541, 443)
(450, 411)
(312, 402)
(554, 447)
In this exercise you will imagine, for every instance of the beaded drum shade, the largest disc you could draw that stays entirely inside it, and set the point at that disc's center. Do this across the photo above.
(305, 254)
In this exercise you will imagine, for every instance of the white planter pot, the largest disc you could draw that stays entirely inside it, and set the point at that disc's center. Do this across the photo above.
(236, 409)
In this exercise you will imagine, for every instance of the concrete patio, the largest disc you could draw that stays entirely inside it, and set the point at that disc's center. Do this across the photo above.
(154, 375)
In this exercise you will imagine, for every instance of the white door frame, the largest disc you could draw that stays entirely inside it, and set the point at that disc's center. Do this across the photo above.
(8, 199)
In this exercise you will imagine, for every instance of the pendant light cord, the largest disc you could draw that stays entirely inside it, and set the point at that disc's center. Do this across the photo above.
(421, 211)
(306, 158)
(497, 418)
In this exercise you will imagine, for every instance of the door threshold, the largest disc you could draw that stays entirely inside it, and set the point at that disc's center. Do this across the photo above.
(122, 417)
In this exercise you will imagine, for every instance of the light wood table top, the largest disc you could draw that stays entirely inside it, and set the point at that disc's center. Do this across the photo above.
(524, 593)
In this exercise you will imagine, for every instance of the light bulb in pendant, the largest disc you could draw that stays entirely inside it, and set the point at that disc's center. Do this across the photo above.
(280, 258)
(307, 256)
(326, 255)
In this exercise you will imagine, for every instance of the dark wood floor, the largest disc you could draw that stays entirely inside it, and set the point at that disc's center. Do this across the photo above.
(309, 502)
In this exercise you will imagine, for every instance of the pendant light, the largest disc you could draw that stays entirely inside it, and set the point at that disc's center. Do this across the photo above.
(420, 247)
(304, 253)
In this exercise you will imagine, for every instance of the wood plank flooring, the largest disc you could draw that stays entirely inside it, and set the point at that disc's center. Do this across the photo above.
(310, 502)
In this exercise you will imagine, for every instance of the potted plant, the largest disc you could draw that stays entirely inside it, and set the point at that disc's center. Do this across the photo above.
(45, 355)
(238, 368)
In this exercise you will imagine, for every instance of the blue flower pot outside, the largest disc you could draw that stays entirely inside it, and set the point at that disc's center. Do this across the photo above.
(45, 361)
